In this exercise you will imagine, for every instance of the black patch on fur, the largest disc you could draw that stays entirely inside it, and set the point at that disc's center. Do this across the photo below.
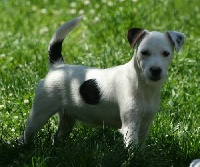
(55, 52)
(90, 92)
(179, 39)
(133, 35)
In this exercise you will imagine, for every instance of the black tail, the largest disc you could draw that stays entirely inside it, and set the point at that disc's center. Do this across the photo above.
(55, 46)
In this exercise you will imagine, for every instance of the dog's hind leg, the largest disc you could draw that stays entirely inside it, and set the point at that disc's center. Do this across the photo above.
(66, 124)
(40, 113)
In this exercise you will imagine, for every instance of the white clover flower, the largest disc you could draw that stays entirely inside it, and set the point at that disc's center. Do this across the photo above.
(43, 11)
(73, 11)
(73, 4)
(92, 11)
(3, 55)
(28, 2)
(110, 3)
(97, 5)
(15, 117)
(86, 47)
(34, 8)
(26, 101)
(120, 8)
(81, 12)
(2, 106)
(44, 30)
(96, 19)
(84, 18)
(86, 2)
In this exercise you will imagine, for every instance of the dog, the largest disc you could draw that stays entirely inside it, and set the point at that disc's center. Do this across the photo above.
(126, 97)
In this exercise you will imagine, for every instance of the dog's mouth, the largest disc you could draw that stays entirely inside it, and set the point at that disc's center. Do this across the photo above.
(155, 78)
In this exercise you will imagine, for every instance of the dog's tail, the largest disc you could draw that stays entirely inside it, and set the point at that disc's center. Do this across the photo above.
(55, 46)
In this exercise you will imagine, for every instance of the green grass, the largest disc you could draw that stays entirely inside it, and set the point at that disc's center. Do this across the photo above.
(99, 41)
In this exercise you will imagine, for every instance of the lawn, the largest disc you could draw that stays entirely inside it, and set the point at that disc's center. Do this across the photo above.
(100, 41)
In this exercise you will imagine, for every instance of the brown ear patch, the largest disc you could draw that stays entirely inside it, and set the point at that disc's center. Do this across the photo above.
(133, 35)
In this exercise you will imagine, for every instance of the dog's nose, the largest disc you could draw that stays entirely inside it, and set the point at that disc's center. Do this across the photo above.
(155, 71)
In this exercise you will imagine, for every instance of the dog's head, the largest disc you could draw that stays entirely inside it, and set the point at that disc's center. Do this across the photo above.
(154, 52)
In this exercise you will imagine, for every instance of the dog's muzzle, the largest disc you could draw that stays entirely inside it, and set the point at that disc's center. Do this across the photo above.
(155, 73)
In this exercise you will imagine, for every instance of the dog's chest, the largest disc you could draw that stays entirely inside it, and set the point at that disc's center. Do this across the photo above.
(148, 104)
(148, 107)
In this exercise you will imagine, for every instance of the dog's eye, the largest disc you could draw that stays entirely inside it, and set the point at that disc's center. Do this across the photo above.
(145, 53)
(166, 53)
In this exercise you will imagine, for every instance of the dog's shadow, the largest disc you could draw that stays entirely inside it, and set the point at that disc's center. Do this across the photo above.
(101, 146)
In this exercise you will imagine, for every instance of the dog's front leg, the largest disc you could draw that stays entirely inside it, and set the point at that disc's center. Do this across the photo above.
(145, 124)
(130, 127)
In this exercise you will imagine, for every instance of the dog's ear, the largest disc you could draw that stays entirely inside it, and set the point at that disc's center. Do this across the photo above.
(134, 35)
(177, 39)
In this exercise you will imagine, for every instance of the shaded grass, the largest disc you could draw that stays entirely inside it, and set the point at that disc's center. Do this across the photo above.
(100, 41)
(98, 149)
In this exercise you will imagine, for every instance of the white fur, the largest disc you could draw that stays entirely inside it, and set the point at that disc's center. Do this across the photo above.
(130, 99)
(62, 31)
(195, 163)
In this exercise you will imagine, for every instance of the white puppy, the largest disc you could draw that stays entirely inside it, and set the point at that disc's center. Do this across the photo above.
(125, 96)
